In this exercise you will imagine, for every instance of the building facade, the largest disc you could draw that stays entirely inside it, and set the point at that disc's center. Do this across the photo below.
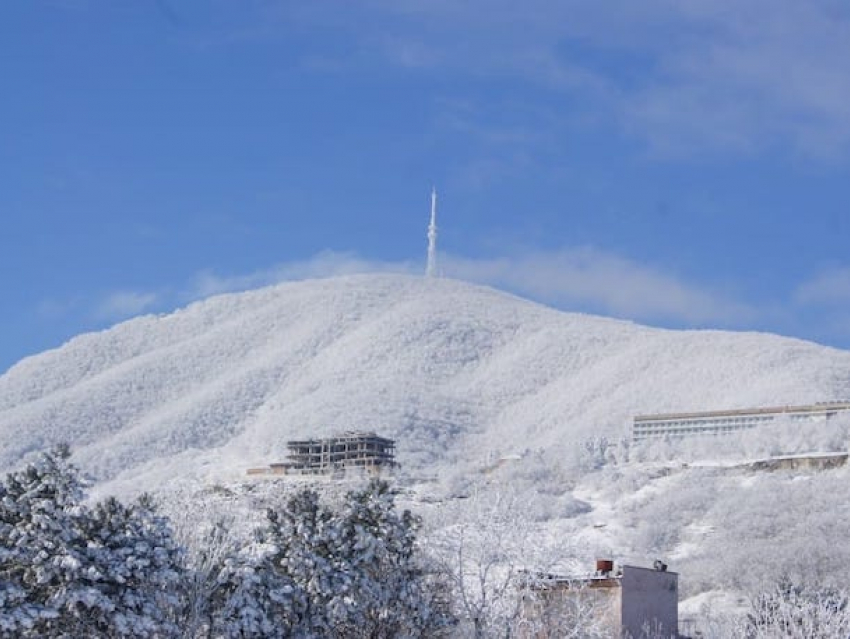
(728, 421)
(366, 452)
(363, 452)
(630, 602)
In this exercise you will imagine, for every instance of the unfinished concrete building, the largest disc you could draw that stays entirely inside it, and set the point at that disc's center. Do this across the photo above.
(363, 452)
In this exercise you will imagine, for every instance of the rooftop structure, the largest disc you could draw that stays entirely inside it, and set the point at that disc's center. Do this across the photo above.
(630, 601)
(727, 421)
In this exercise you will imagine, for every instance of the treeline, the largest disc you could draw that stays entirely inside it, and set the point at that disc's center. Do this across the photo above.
(69, 569)
(115, 570)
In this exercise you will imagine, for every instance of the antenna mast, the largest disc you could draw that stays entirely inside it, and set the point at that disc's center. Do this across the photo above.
(431, 268)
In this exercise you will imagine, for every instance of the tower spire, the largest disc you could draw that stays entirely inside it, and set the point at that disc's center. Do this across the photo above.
(431, 267)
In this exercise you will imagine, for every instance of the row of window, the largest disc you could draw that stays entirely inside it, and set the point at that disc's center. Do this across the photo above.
(698, 426)
(689, 431)
(704, 423)
(691, 427)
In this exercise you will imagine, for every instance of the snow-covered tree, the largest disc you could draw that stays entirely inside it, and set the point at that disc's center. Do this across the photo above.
(798, 613)
(783, 612)
(131, 572)
(304, 535)
(390, 595)
(69, 571)
(40, 546)
(252, 598)
(351, 572)
(482, 546)
(208, 548)
(488, 544)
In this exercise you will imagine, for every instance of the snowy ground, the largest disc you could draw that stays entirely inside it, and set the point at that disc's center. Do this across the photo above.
(462, 377)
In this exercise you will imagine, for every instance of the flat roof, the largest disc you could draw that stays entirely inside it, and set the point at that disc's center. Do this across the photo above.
(594, 580)
(348, 436)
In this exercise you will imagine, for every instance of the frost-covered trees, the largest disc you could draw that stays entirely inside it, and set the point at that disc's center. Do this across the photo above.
(115, 570)
(70, 571)
(786, 611)
(40, 545)
(486, 545)
(319, 571)
(391, 594)
(252, 598)
(131, 572)
(798, 613)
(355, 568)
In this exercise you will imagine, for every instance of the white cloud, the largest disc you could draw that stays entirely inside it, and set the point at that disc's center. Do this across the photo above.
(323, 264)
(749, 75)
(582, 279)
(596, 281)
(684, 76)
(831, 287)
(123, 304)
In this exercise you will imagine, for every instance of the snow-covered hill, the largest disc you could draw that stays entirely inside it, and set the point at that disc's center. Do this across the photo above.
(452, 371)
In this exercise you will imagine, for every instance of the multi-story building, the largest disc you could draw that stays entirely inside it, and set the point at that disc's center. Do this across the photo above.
(351, 451)
(728, 421)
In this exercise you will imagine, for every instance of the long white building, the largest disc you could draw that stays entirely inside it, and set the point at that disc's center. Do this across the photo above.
(727, 421)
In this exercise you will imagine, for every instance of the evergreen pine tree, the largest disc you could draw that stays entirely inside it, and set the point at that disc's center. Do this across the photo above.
(254, 599)
(68, 571)
(356, 569)
(304, 538)
(40, 544)
(391, 594)
(130, 577)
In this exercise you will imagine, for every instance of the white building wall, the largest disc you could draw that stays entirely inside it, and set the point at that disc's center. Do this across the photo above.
(722, 422)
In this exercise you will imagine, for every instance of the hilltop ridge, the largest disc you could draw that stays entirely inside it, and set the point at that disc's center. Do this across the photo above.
(451, 370)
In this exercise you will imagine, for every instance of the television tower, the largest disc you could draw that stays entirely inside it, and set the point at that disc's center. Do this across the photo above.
(431, 268)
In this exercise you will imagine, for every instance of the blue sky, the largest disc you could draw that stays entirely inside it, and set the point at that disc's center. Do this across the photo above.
(681, 164)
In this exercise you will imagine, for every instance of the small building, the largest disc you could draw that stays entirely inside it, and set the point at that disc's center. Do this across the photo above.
(727, 421)
(631, 602)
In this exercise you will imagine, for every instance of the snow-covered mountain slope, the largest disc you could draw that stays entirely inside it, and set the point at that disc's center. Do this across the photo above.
(446, 368)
